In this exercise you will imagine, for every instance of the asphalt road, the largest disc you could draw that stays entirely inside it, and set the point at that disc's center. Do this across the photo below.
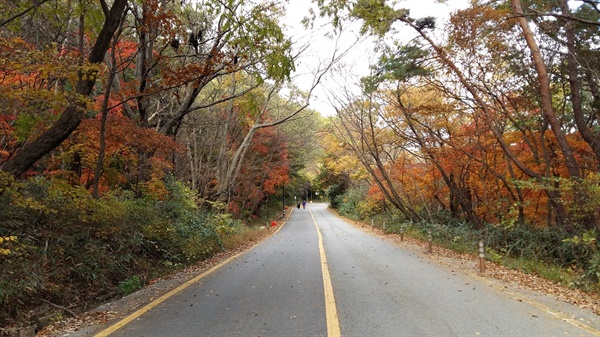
(282, 287)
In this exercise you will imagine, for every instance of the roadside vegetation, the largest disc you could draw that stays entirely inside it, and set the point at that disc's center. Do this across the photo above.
(68, 252)
(569, 259)
(484, 126)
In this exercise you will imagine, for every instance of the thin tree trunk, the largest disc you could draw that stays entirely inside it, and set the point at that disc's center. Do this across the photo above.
(102, 149)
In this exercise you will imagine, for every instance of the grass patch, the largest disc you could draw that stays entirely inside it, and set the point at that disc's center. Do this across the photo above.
(129, 285)
(247, 235)
(556, 274)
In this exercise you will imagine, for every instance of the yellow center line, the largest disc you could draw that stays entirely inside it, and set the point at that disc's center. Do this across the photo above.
(331, 315)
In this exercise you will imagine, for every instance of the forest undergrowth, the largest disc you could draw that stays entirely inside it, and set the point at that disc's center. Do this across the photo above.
(63, 252)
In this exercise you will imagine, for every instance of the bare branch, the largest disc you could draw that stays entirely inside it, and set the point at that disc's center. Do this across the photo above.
(564, 17)
(18, 15)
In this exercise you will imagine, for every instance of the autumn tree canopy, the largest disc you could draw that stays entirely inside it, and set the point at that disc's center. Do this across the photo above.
(151, 127)
(114, 94)
(495, 109)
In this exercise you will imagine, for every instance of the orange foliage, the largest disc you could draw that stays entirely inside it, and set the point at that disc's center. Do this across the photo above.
(459, 150)
(265, 170)
(31, 83)
(126, 145)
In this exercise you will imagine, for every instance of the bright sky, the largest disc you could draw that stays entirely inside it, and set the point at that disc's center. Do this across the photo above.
(358, 59)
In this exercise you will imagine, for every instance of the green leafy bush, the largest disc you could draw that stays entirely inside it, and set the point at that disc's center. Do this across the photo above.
(348, 202)
(130, 285)
(335, 195)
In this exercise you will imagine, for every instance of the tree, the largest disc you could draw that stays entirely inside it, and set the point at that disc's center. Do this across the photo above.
(479, 67)
(545, 92)
(30, 152)
(361, 129)
(340, 168)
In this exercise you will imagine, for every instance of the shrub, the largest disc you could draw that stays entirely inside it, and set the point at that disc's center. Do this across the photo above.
(348, 203)
(551, 252)
(70, 248)
(335, 195)
(130, 285)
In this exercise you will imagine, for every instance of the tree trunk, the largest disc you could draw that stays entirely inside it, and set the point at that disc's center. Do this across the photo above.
(73, 114)
(102, 148)
(545, 92)
(587, 134)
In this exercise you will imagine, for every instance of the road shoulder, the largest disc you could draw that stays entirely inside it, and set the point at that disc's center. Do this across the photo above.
(573, 305)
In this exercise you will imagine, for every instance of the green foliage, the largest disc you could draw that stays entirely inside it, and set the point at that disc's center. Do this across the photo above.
(130, 285)
(587, 239)
(399, 64)
(557, 274)
(23, 126)
(376, 15)
(492, 255)
(590, 279)
(425, 23)
(181, 233)
(333, 9)
(348, 203)
(548, 252)
(335, 195)
(225, 225)
(257, 32)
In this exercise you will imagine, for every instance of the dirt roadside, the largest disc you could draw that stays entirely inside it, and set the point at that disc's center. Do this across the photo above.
(518, 285)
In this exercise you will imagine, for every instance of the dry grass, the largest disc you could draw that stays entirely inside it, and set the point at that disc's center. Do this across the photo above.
(249, 235)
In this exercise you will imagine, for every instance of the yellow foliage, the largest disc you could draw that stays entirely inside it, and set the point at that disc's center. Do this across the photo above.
(157, 188)
(6, 240)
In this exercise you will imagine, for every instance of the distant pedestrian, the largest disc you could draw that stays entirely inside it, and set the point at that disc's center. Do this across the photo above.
(298, 205)
(303, 203)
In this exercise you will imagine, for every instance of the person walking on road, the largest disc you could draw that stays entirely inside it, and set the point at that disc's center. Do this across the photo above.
(303, 203)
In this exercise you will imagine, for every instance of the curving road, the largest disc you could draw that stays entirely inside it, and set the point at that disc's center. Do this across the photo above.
(319, 276)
